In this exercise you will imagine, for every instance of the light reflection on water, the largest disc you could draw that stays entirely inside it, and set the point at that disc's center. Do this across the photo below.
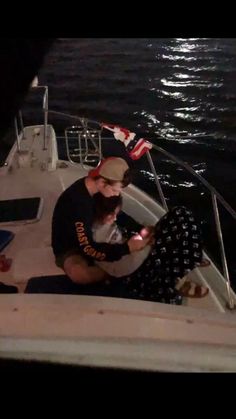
(167, 181)
(186, 141)
(177, 95)
(194, 74)
(191, 117)
(184, 76)
(178, 58)
(189, 109)
(196, 69)
(196, 83)
(187, 184)
(190, 39)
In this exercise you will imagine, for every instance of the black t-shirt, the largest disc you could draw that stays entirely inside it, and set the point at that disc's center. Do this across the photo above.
(72, 222)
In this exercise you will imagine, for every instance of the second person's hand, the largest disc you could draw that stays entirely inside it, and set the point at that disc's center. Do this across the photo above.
(136, 243)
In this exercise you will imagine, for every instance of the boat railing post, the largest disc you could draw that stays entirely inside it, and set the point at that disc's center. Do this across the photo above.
(99, 146)
(17, 135)
(230, 303)
(80, 147)
(67, 145)
(21, 124)
(159, 188)
(75, 131)
(45, 108)
(90, 135)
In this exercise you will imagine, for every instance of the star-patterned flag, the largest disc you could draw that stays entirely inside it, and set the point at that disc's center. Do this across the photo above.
(135, 147)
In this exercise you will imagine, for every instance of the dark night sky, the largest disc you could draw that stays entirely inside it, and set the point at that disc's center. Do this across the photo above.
(20, 60)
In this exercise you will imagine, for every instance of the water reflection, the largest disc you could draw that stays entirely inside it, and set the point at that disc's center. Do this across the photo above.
(187, 184)
(167, 181)
(185, 140)
(200, 167)
(185, 47)
(196, 69)
(164, 178)
(188, 116)
(189, 89)
(197, 83)
(189, 109)
(151, 118)
(184, 76)
(178, 57)
(177, 95)
(190, 39)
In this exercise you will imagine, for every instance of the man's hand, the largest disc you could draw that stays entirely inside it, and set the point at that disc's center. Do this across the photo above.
(136, 243)
(148, 233)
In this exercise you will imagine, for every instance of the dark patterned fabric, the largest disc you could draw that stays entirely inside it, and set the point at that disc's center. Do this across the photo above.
(177, 250)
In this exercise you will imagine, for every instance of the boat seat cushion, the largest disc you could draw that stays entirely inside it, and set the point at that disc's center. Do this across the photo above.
(61, 284)
(5, 237)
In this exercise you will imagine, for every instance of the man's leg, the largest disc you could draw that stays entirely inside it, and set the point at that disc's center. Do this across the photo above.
(78, 270)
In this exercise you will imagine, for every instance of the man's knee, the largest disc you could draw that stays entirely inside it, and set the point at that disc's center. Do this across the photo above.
(81, 273)
(75, 266)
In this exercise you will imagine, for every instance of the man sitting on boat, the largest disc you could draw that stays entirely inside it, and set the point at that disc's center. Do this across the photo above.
(72, 241)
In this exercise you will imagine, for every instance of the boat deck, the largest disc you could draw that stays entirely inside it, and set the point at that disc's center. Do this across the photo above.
(37, 173)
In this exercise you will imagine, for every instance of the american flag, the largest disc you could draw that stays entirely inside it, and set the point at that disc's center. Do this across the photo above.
(136, 147)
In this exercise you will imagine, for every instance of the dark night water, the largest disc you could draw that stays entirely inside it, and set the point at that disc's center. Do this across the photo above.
(179, 93)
